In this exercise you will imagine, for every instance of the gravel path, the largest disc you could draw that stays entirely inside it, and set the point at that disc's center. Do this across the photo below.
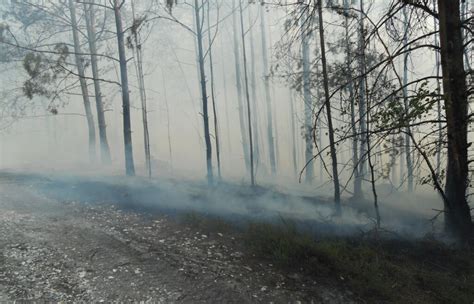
(69, 251)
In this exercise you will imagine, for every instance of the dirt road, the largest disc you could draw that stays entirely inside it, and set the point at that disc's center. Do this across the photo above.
(55, 250)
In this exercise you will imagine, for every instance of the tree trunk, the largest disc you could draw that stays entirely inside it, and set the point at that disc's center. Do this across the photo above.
(457, 213)
(165, 97)
(372, 173)
(294, 134)
(82, 81)
(226, 98)
(141, 85)
(127, 125)
(332, 145)
(89, 13)
(238, 79)
(349, 77)
(405, 101)
(464, 12)
(308, 102)
(362, 93)
(205, 111)
(253, 88)
(438, 103)
(247, 95)
(266, 77)
(213, 94)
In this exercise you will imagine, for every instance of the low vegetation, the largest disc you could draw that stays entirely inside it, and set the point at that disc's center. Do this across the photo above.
(376, 269)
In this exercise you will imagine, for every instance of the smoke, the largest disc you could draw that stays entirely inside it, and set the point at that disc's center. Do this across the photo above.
(403, 215)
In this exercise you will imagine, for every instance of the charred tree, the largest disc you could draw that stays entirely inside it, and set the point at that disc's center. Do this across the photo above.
(457, 212)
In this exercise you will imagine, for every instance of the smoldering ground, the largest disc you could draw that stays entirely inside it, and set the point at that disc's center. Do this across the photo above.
(403, 215)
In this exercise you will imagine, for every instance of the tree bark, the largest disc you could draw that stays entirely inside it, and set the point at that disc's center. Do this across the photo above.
(205, 110)
(83, 82)
(332, 145)
(127, 125)
(141, 85)
(294, 134)
(409, 161)
(213, 93)
(247, 95)
(362, 94)
(457, 212)
(238, 79)
(350, 87)
(308, 101)
(253, 89)
(89, 14)
(268, 99)
(438, 103)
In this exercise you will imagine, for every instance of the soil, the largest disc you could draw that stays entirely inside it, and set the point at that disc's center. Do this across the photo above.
(63, 250)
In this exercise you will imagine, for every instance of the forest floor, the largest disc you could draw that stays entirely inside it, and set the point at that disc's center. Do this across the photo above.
(67, 251)
(58, 248)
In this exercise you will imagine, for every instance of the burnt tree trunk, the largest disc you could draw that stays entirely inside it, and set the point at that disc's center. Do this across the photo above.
(457, 213)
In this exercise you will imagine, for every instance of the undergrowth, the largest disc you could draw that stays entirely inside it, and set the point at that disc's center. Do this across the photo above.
(376, 270)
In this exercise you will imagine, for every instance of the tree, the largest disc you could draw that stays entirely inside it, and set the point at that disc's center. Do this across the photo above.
(362, 96)
(327, 103)
(247, 95)
(253, 89)
(457, 212)
(213, 91)
(138, 59)
(308, 101)
(238, 85)
(127, 126)
(82, 80)
(89, 16)
(407, 148)
(202, 73)
(266, 77)
(352, 100)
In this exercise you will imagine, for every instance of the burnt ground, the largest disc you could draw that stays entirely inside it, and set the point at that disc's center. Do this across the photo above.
(56, 249)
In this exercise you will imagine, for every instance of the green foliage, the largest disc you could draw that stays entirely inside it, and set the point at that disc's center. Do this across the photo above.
(394, 114)
(43, 71)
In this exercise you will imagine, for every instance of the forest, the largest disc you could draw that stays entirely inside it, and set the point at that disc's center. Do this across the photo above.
(236, 151)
